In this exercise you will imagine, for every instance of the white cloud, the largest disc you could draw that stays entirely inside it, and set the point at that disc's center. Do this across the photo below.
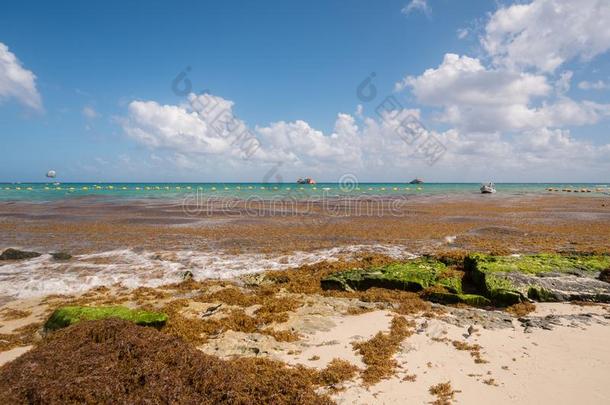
(475, 98)
(546, 33)
(89, 112)
(416, 5)
(16, 81)
(598, 85)
(370, 147)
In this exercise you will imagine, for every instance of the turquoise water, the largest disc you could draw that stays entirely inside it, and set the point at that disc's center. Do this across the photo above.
(50, 192)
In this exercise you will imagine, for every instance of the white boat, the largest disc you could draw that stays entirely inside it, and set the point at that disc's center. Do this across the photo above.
(488, 188)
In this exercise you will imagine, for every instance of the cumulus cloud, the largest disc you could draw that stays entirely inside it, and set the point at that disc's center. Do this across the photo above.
(546, 33)
(475, 98)
(184, 136)
(16, 82)
(416, 5)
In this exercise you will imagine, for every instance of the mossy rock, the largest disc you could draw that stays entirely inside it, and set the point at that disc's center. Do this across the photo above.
(414, 275)
(508, 280)
(540, 294)
(66, 316)
(451, 298)
(15, 254)
(537, 264)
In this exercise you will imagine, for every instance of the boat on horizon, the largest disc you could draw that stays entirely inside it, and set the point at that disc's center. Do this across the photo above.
(306, 180)
(488, 188)
(416, 181)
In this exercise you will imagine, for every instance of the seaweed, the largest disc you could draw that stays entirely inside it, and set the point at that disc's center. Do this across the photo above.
(115, 361)
(378, 351)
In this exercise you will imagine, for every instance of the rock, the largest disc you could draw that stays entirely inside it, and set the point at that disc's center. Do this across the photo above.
(507, 280)
(186, 275)
(66, 316)
(442, 297)
(61, 256)
(14, 254)
(604, 275)
(414, 275)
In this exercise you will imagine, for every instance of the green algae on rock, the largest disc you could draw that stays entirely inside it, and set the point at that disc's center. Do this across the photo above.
(66, 316)
(414, 275)
(508, 280)
(443, 297)
(539, 263)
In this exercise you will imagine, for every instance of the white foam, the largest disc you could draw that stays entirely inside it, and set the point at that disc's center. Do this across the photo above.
(43, 275)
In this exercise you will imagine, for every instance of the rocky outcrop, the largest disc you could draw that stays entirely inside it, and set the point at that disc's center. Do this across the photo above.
(507, 280)
(439, 283)
(15, 254)
(66, 316)
(414, 275)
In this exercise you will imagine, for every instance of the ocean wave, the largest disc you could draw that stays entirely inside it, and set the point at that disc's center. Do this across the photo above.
(44, 276)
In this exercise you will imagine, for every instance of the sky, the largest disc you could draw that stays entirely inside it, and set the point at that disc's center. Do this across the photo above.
(445, 90)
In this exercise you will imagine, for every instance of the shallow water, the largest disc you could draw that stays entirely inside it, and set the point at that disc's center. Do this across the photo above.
(179, 191)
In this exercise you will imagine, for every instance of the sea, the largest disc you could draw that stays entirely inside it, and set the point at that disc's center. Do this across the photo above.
(40, 192)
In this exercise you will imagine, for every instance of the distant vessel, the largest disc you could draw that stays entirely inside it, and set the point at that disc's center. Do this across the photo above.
(488, 188)
(51, 174)
(306, 180)
(416, 181)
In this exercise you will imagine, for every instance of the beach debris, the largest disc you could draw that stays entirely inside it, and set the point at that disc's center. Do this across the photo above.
(61, 256)
(470, 330)
(66, 316)
(15, 254)
(114, 361)
(211, 310)
(443, 392)
(378, 352)
(545, 277)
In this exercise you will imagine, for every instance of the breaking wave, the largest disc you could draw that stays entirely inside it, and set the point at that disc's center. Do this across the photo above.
(44, 276)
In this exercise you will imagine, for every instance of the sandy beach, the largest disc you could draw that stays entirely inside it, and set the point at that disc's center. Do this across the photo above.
(234, 291)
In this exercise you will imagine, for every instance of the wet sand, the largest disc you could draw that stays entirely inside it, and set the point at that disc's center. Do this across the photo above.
(420, 224)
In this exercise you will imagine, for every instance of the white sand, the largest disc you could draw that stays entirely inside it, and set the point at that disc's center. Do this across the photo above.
(564, 366)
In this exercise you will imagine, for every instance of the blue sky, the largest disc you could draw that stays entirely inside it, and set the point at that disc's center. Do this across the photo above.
(101, 105)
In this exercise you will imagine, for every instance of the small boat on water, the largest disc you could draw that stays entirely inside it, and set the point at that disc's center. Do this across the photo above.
(416, 181)
(488, 188)
(306, 180)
